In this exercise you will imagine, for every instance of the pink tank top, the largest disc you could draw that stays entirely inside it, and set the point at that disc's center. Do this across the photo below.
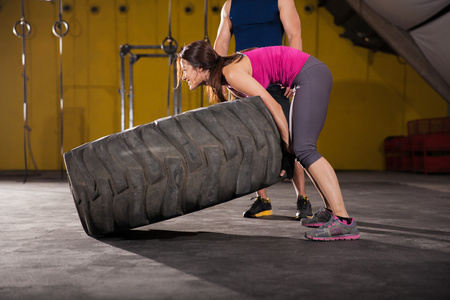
(277, 64)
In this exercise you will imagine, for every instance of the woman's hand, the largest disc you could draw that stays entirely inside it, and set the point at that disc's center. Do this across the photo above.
(288, 161)
(288, 147)
(288, 92)
(287, 165)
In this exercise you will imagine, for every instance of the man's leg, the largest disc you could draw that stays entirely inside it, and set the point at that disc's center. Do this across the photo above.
(262, 205)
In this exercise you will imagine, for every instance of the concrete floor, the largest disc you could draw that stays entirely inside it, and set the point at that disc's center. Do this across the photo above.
(403, 253)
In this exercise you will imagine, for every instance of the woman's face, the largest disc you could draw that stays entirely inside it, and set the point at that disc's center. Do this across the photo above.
(192, 75)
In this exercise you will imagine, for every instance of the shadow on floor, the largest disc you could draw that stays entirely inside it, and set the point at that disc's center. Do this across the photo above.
(282, 268)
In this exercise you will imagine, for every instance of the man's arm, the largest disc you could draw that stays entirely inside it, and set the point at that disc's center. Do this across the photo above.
(224, 32)
(291, 23)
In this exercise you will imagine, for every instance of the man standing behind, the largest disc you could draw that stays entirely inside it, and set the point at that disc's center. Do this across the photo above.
(262, 23)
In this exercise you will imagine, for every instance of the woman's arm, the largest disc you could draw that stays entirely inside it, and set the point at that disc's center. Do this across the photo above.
(240, 79)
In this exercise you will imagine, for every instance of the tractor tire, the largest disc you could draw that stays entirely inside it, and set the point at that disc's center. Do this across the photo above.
(174, 166)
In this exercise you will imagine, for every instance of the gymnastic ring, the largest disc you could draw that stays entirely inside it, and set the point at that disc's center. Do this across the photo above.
(56, 25)
(170, 49)
(22, 23)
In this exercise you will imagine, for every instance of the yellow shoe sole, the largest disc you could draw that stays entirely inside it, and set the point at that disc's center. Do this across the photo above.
(263, 213)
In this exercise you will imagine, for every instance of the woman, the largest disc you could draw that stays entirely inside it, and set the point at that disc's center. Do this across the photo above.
(250, 74)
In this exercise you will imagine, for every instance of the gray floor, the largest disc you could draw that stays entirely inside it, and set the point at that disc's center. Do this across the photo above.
(403, 252)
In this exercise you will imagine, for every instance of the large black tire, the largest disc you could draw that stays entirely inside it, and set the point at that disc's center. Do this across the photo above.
(174, 166)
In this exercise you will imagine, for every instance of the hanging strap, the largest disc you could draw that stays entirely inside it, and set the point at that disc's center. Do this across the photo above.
(169, 44)
(26, 31)
(58, 31)
(206, 37)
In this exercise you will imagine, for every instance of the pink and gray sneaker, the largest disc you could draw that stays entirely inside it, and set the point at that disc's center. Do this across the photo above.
(334, 230)
(321, 217)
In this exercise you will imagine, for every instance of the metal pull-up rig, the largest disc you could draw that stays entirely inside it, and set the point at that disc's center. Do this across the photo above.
(169, 46)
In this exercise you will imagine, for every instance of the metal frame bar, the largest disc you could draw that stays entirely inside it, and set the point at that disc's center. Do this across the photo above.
(133, 58)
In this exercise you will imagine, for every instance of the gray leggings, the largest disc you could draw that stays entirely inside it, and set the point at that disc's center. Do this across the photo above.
(309, 107)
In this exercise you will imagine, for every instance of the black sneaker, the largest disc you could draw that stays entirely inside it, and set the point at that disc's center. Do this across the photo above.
(261, 207)
(304, 209)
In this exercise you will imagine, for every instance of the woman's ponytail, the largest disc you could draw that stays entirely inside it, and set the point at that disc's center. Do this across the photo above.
(214, 88)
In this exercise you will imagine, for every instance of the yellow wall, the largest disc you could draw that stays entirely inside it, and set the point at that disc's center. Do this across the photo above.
(374, 95)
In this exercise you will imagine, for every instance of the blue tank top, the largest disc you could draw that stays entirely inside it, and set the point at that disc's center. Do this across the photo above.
(256, 23)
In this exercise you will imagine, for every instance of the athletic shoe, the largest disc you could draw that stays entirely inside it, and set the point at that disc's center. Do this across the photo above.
(261, 207)
(304, 209)
(321, 217)
(334, 230)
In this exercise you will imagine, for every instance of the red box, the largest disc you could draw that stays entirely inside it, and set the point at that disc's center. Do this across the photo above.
(427, 153)
(393, 150)
(431, 153)
(425, 126)
(437, 142)
(394, 144)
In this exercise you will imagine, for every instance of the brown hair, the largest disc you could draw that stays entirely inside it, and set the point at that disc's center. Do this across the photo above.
(200, 54)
